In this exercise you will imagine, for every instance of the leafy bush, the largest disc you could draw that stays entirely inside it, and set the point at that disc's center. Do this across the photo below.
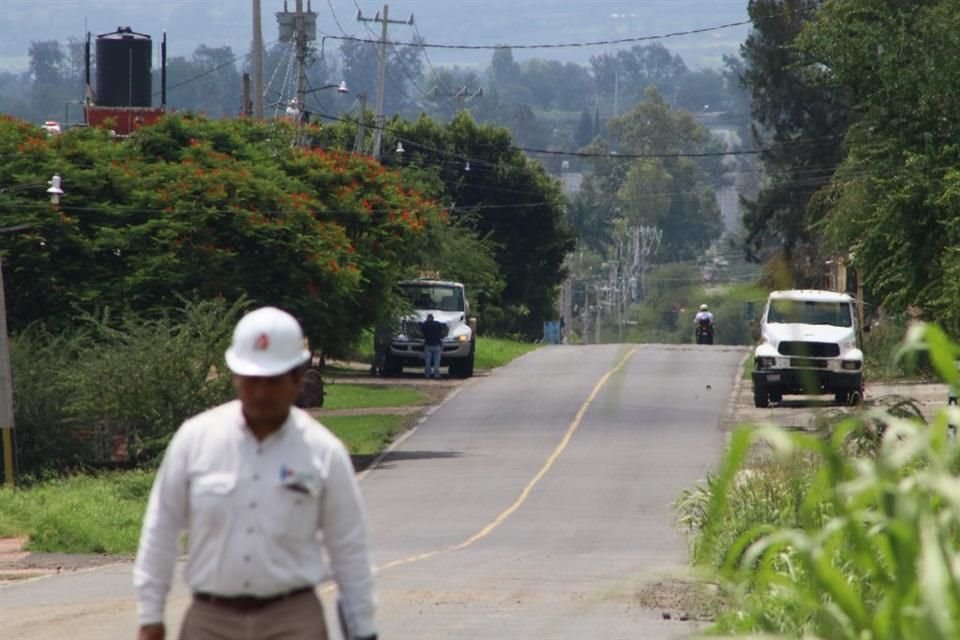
(880, 347)
(40, 362)
(116, 389)
(850, 534)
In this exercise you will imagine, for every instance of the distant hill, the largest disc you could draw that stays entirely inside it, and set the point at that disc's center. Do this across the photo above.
(217, 23)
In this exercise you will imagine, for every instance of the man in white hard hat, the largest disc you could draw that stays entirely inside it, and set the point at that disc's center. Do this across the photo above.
(270, 504)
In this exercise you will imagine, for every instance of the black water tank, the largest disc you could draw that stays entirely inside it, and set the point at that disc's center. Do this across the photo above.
(123, 69)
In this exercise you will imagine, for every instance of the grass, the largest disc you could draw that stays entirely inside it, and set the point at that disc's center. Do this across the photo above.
(79, 514)
(496, 352)
(366, 435)
(103, 513)
(748, 366)
(491, 353)
(360, 396)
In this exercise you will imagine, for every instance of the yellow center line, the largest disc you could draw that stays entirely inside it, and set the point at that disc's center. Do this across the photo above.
(506, 513)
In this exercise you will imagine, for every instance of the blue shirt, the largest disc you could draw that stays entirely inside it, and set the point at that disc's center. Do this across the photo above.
(432, 332)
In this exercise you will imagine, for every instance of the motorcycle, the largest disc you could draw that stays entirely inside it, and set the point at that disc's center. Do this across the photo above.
(704, 332)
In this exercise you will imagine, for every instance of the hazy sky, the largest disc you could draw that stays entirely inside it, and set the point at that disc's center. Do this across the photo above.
(217, 23)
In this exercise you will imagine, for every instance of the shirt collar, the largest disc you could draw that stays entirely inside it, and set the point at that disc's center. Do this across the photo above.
(277, 436)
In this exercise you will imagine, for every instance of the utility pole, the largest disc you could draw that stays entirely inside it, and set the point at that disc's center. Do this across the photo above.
(381, 70)
(257, 63)
(300, 28)
(461, 95)
(649, 245)
(300, 45)
(6, 396)
(247, 106)
(7, 435)
(361, 124)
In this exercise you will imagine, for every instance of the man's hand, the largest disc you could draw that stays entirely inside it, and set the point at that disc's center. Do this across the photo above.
(151, 632)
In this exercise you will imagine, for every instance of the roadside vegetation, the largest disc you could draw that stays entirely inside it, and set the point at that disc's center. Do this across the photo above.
(496, 352)
(359, 396)
(846, 533)
(102, 512)
(111, 393)
(674, 295)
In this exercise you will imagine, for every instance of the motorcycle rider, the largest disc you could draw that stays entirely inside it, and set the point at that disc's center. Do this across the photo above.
(704, 322)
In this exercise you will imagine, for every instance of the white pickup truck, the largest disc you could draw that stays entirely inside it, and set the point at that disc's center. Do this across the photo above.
(808, 345)
(447, 302)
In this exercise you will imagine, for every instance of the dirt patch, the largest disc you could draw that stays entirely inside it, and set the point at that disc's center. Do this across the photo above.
(682, 600)
(18, 564)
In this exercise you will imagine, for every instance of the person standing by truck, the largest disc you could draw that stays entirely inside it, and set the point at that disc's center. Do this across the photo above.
(432, 332)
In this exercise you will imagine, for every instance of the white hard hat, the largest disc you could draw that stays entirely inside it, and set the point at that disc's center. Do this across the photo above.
(266, 342)
(703, 307)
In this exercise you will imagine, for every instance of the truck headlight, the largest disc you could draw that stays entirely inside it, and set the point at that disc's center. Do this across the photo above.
(766, 362)
(851, 365)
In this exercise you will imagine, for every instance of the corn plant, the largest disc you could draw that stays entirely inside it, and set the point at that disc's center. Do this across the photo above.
(866, 545)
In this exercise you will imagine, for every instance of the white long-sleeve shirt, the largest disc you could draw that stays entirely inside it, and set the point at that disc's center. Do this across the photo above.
(257, 515)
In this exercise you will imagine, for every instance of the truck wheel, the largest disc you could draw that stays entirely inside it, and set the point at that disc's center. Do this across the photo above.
(841, 397)
(391, 367)
(775, 396)
(761, 398)
(467, 370)
(463, 368)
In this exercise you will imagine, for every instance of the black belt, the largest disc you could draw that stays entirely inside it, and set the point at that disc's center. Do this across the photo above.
(248, 603)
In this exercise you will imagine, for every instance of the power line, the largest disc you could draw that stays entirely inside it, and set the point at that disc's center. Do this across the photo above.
(335, 18)
(436, 76)
(208, 72)
(592, 43)
(612, 155)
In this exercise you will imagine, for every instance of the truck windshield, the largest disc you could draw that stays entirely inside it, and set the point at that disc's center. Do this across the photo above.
(836, 314)
(434, 297)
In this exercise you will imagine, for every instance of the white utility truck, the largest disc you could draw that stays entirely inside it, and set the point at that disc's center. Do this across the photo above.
(448, 303)
(808, 345)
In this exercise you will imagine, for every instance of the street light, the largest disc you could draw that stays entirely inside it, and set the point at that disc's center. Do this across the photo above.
(341, 87)
(6, 377)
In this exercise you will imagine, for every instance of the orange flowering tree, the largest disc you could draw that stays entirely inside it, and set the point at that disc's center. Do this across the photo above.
(192, 208)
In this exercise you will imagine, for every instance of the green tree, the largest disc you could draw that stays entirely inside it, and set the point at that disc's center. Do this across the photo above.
(203, 209)
(800, 123)
(505, 198)
(208, 82)
(672, 192)
(50, 71)
(894, 201)
(584, 134)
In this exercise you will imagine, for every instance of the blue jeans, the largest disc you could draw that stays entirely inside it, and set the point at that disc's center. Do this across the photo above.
(431, 358)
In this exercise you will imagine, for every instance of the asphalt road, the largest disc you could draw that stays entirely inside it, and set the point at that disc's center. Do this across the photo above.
(533, 504)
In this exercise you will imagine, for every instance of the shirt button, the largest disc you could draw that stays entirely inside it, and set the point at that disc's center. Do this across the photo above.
(297, 501)
(246, 558)
(249, 529)
(256, 476)
(246, 585)
(253, 505)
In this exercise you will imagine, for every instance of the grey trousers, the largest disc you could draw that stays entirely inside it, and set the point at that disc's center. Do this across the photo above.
(297, 618)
